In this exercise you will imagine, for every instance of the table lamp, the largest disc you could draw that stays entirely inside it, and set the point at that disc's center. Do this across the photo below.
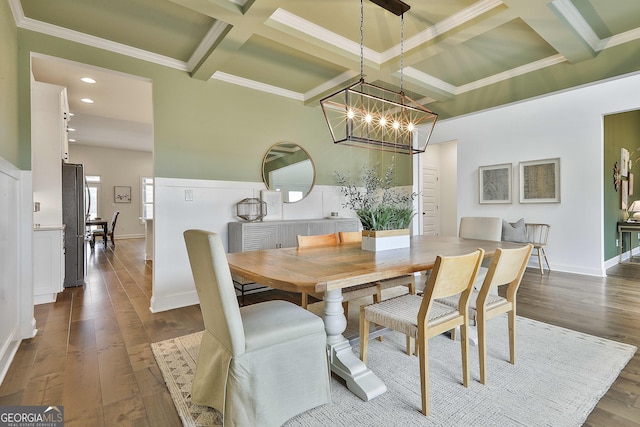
(635, 209)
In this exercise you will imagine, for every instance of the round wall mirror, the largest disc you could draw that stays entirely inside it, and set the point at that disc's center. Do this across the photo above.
(288, 168)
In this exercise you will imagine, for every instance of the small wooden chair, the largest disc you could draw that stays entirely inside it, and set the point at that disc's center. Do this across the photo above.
(537, 235)
(421, 317)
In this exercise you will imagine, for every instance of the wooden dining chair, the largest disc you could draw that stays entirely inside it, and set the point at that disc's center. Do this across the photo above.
(110, 232)
(538, 235)
(349, 293)
(421, 317)
(407, 280)
(507, 268)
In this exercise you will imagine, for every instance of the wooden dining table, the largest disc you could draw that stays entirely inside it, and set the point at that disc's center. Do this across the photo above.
(329, 269)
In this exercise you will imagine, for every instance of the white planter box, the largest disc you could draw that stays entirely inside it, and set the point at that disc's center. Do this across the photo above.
(383, 240)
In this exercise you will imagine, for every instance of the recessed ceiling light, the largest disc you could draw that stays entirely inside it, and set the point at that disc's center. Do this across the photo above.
(72, 140)
(88, 80)
(71, 114)
(87, 100)
(71, 129)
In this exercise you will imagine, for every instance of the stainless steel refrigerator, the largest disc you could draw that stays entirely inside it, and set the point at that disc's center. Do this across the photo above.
(73, 217)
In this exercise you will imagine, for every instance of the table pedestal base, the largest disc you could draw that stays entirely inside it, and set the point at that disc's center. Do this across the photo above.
(360, 380)
(344, 363)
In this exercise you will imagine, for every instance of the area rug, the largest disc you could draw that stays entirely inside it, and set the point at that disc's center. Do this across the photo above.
(559, 377)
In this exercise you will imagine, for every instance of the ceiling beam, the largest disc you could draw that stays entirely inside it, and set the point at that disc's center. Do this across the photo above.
(242, 23)
(545, 20)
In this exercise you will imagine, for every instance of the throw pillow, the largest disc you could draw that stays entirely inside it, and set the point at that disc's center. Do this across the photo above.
(514, 231)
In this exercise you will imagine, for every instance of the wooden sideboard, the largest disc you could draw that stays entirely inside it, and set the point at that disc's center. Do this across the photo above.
(252, 236)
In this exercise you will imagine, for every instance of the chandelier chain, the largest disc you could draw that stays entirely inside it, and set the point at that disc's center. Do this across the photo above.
(361, 39)
(401, 53)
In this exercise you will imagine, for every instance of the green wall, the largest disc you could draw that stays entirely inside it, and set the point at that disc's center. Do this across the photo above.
(9, 147)
(620, 131)
(210, 130)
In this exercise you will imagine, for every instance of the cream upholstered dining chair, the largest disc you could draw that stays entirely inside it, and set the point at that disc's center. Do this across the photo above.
(507, 268)
(481, 228)
(260, 364)
(537, 235)
(408, 280)
(421, 317)
(349, 293)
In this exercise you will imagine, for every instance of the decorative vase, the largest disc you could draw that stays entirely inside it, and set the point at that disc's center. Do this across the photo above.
(385, 239)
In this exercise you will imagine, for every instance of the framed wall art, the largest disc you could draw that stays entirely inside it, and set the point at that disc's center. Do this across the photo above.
(540, 181)
(122, 194)
(495, 183)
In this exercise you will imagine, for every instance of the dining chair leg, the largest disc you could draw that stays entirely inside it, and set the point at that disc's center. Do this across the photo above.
(412, 285)
(540, 262)
(303, 300)
(512, 336)
(464, 343)
(345, 308)
(364, 336)
(544, 253)
(409, 346)
(482, 348)
(377, 297)
(454, 333)
(422, 345)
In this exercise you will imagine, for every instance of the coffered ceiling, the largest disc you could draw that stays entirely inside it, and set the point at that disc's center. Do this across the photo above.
(459, 55)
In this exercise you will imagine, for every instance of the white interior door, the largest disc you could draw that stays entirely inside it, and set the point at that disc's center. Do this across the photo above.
(430, 201)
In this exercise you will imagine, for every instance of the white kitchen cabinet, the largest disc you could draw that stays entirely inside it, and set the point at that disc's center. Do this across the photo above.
(49, 148)
(48, 263)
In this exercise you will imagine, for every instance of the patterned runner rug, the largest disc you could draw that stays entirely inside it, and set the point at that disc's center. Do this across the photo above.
(558, 378)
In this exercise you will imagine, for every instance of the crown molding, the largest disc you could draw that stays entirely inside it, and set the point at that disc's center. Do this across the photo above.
(514, 72)
(299, 24)
(262, 87)
(336, 81)
(442, 27)
(622, 38)
(82, 38)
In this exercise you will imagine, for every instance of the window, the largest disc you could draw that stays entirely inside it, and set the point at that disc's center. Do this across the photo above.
(147, 197)
(92, 196)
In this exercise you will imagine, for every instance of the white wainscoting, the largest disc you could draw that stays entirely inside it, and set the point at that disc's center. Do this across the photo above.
(212, 207)
(16, 305)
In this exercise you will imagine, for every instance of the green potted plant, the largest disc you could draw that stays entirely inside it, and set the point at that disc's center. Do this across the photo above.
(384, 209)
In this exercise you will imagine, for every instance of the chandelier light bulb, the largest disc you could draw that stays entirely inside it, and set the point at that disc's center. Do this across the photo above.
(350, 114)
(410, 127)
(368, 118)
(383, 121)
(396, 125)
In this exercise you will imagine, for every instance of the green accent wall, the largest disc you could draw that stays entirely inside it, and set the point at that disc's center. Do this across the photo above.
(9, 147)
(211, 129)
(620, 131)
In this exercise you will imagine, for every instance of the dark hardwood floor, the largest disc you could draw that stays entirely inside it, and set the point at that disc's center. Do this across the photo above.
(92, 352)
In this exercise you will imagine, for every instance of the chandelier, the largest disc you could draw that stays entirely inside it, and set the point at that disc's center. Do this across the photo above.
(370, 116)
